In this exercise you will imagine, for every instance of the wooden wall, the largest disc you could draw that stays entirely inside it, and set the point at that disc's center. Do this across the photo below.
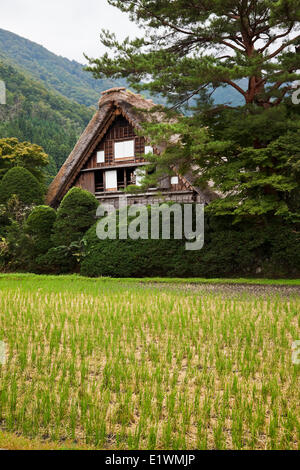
(119, 131)
(86, 181)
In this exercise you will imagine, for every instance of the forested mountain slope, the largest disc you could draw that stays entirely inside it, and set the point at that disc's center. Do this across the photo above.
(56, 72)
(68, 77)
(35, 114)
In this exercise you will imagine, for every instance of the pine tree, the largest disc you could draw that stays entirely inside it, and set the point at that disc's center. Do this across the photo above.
(190, 45)
(248, 154)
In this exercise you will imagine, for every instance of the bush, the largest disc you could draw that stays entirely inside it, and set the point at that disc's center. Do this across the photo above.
(4, 219)
(14, 253)
(130, 258)
(58, 260)
(244, 249)
(76, 214)
(39, 227)
(20, 182)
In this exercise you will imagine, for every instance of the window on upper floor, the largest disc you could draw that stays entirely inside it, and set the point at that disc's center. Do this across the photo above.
(100, 156)
(124, 149)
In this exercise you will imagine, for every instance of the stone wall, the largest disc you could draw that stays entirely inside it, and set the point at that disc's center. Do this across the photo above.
(150, 198)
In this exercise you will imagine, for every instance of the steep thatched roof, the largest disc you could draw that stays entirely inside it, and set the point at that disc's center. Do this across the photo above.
(130, 105)
(133, 107)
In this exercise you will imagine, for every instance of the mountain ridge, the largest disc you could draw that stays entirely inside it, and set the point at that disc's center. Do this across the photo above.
(58, 73)
(36, 114)
(68, 77)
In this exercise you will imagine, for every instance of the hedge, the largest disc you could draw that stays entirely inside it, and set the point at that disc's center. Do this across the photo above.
(245, 249)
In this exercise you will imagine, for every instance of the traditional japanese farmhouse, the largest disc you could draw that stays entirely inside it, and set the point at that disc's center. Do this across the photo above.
(109, 156)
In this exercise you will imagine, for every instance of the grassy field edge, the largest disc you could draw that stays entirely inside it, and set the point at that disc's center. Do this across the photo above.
(158, 280)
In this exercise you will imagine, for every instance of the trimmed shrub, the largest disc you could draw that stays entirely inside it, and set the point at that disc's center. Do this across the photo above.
(134, 258)
(58, 260)
(20, 182)
(39, 227)
(240, 250)
(76, 214)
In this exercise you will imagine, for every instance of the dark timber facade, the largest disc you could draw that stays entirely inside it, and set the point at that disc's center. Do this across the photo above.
(109, 156)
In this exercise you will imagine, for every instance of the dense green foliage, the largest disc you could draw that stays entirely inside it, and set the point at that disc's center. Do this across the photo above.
(188, 46)
(39, 116)
(15, 252)
(37, 238)
(270, 250)
(20, 182)
(55, 72)
(44, 242)
(22, 186)
(249, 154)
(39, 226)
(76, 213)
(20, 192)
(75, 216)
(23, 154)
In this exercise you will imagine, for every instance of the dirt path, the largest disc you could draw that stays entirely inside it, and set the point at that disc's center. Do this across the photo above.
(231, 289)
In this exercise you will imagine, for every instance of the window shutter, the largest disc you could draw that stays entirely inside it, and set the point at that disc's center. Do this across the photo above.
(124, 149)
(100, 156)
(111, 179)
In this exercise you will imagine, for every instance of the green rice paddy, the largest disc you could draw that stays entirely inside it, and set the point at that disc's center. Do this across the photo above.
(127, 365)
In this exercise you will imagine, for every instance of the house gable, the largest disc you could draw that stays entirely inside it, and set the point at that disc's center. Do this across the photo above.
(94, 173)
(120, 131)
(110, 150)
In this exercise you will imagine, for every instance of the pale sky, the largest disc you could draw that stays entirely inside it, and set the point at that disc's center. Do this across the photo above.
(65, 27)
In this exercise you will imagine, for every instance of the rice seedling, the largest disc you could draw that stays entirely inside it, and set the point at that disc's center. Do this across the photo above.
(124, 365)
